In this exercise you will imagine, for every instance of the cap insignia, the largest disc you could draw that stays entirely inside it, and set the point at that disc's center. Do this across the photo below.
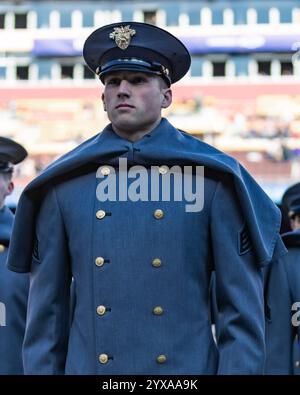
(122, 36)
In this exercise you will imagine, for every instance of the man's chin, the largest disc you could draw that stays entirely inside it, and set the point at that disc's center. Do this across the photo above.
(127, 127)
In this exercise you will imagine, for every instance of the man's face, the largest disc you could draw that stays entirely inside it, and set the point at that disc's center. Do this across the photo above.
(6, 188)
(295, 222)
(133, 100)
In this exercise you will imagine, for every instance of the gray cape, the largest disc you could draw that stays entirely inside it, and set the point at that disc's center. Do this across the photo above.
(168, 146)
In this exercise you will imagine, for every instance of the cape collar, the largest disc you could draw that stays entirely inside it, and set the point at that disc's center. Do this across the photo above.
(164, 145)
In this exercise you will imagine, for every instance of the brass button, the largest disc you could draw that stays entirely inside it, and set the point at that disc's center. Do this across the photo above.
(158, 310)
(100, 214)
(163, 170)
(297, 363)
(2, 248)
(158, 214)
(99, 261)
(161, 359)
(103, 358)
(105, 171)
(156, 262)
(101, 310)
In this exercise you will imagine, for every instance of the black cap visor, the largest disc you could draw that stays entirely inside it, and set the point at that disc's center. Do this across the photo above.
(135, 65)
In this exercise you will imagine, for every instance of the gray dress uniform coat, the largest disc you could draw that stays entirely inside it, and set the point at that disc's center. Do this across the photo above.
(141, 277)
(282, 291)
(13, 304)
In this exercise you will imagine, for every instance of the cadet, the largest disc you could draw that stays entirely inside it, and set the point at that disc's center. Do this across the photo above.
(283, 297)
(13, 286)
(142, 259)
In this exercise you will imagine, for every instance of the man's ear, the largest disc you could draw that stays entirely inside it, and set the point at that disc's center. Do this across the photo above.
(103, 101)
(167, 98)
(10, 188)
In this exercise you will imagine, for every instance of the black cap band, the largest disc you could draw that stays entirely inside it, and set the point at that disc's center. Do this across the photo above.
(134, 64)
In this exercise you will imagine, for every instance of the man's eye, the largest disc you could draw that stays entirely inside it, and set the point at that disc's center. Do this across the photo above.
(113, 81)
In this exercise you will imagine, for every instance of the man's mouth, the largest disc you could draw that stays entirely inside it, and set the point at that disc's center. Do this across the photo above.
(124, 105)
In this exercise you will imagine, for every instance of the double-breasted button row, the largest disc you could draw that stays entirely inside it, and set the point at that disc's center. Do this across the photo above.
(99, 261)
(103, 358)
(105, 170)
(158, 214)
(2, 248)
(157, 310)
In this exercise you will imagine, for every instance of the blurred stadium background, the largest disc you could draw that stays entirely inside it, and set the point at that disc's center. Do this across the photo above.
(242, 93)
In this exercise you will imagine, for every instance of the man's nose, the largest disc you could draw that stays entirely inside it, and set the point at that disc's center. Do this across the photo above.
(124, 88)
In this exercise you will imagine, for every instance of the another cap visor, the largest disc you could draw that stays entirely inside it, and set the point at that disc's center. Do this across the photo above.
(11, 151)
